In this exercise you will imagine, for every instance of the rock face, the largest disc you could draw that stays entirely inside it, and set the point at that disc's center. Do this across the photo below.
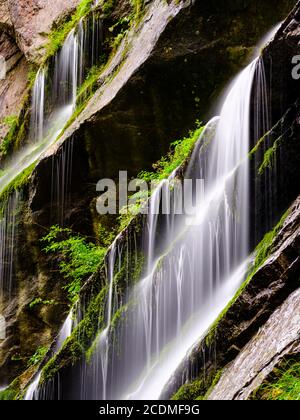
(33, 21)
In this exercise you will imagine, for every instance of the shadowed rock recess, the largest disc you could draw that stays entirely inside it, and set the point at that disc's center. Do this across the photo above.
(161, 66)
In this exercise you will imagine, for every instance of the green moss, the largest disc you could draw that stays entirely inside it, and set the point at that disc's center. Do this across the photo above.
(264, 249)
(108, 6)
(214, 382)
(8, 394)
(180, 151)
(18, 128)
(81, 338)
(138, 6)
(270, 156)
(90, 84)
(198, 389)
(285, 385)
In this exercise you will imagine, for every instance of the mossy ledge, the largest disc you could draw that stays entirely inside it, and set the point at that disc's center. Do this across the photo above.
(283, 384)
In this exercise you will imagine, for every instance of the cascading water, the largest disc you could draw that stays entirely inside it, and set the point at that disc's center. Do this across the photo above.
(38, 106)
(53, 102)
(200, 268)
(190, 277)
(61, 183)
(8, 230)
(54, 98)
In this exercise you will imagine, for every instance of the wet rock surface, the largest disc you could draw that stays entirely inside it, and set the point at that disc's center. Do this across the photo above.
(279, 337)
(270, 286)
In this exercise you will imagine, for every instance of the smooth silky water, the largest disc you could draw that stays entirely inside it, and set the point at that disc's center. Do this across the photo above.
(186, 286)
(54, 97)
(203, 264)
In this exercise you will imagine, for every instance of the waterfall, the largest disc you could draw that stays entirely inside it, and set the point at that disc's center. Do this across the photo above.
(61, 182)
(54, 94)
(103, 341)
(192, 273)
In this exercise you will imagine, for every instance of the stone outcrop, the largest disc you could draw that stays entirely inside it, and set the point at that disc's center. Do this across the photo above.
(5, 21)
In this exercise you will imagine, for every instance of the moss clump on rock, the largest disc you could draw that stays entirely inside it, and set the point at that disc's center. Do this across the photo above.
(189, 391)
(18, 184)
(12, 392)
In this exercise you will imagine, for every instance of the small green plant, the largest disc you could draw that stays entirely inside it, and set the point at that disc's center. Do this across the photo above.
(77, 258)
(38, 356)
(40, 301)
